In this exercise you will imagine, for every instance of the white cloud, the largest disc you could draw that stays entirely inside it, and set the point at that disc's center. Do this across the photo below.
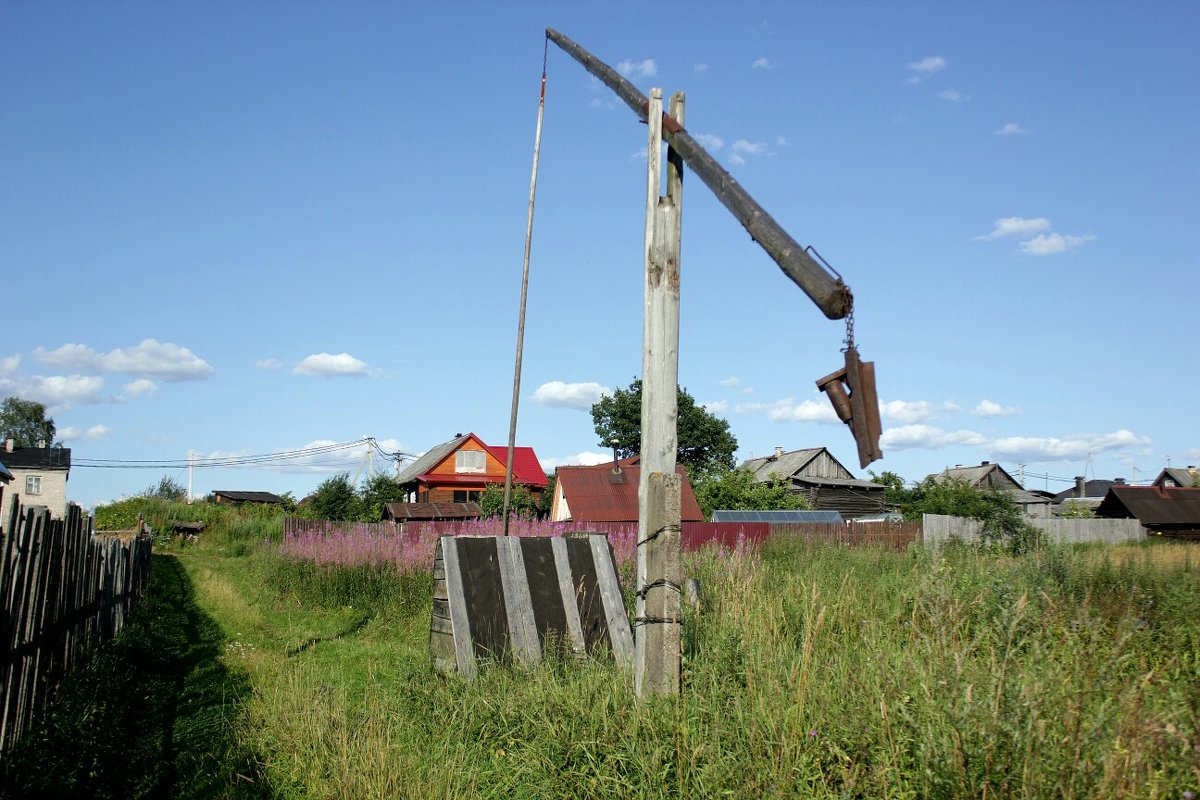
(745, 147)
(711, 141)
(57, 392)
(700, 67)
(716, 406)
(987, 408)
(149, 359)
(638, 69)
(927, 66)
(1075, 448)
(138, 388)
(731, 381)
(1048, 244)
(1011, 129)
(781, 141)
(953, 96)
(907, 411)
(586, 459)
(558, 394)
(788, 410)
(1014, 226)
(269, 363)
(736, 160)
(762, 62)
(927, 437)
(10, 364)
(95, 432)
(342, 364)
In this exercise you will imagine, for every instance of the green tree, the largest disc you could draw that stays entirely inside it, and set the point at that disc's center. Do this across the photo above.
(1004, 524)
(334, 499)
(26, 422)
(737, 488)
(520, 503)
(894, 493)
(374, 493)
(705, 442)
(167, 488)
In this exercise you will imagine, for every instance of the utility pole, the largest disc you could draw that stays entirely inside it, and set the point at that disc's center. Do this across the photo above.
(656, 653)
(190, 457)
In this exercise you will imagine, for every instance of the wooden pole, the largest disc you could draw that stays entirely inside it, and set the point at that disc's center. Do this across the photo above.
(657, 643)
(830, 294)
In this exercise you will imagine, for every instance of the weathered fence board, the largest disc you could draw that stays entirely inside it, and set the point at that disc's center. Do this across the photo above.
(939, 528)
(62, 590)
(511, 598)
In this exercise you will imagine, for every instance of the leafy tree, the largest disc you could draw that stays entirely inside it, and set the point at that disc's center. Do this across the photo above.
(167, 488)
(26, 422)
(521, 502)
(1074, 510)
(894, 493)
(705, 442)
(374, 493)
(1004, 524)
(548, 495)
(335, 499)
(737, 488)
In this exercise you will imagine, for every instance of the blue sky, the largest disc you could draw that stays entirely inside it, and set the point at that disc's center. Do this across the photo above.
(238, 229)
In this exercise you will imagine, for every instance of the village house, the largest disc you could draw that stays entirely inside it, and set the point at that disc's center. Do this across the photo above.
(1163, 511)
(1172, 477)
(822, 480)
(1084, 496)
(609, 493)
(992, 476)
(39, 476)
(459, 470)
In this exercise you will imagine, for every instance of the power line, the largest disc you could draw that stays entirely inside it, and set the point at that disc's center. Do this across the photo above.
(227, 462)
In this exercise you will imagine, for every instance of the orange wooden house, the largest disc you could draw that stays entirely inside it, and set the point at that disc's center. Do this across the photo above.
(459, 470)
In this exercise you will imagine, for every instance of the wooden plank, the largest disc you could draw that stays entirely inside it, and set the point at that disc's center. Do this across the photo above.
(518, 606)
(483, 590)
(614, 604)
(464, 649)
(566, 585)
(830, 294)
(590, 604)
(541, 574)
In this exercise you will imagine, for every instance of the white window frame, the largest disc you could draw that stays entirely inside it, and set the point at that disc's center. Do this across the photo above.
(33, 485)
(470, 461)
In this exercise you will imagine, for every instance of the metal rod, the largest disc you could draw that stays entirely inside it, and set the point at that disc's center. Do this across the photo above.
(516, 395)
(830, 294)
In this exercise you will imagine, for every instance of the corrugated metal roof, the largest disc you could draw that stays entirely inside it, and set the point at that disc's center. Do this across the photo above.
(37, 458)
(430, 459)
(593, 497)
(853, 483)
(249, 497)
(784, 466)
(1152, 505)
(404, 512)
(526, 467)
(790, 515)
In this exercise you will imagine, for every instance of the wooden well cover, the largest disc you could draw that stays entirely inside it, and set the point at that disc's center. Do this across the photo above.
(511, 597)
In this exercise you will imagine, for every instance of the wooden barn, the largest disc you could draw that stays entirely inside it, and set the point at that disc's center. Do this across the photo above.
(821, 479)
(1172, 512)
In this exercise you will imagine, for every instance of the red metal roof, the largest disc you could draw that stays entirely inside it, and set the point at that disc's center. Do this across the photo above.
(593, 496)
(526, 467)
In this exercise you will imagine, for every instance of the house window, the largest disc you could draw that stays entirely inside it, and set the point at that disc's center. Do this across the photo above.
(470, 461)
(471, 496)
(33, 484)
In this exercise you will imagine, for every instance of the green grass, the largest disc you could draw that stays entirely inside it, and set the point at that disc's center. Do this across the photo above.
(811, 672)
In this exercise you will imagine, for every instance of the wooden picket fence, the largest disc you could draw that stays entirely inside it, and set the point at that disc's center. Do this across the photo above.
(63, 590)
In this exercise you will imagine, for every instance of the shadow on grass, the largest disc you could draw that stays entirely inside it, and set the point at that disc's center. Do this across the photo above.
(154, 714)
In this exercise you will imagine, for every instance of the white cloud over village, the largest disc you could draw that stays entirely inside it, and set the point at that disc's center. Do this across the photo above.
(558, 394)
(327, 364)
(1045, 243)
(927, 66)
(987, 408)
(70, 433)
(1011, 129)
(635, 70)
(151, 358)
(1051, 243)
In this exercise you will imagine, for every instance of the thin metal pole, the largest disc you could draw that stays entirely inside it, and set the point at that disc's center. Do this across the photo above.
(516, 395)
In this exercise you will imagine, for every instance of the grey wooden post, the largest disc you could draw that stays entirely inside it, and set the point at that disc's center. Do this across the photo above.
(657, 640)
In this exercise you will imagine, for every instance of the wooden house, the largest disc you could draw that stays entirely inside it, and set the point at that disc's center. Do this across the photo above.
(609, 493)
(1172, 512)
(1178, 477)
(822, 480)
(459, 470)
(992, 476)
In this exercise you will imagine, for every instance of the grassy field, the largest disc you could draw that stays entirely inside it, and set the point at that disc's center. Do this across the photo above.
(812, 672)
